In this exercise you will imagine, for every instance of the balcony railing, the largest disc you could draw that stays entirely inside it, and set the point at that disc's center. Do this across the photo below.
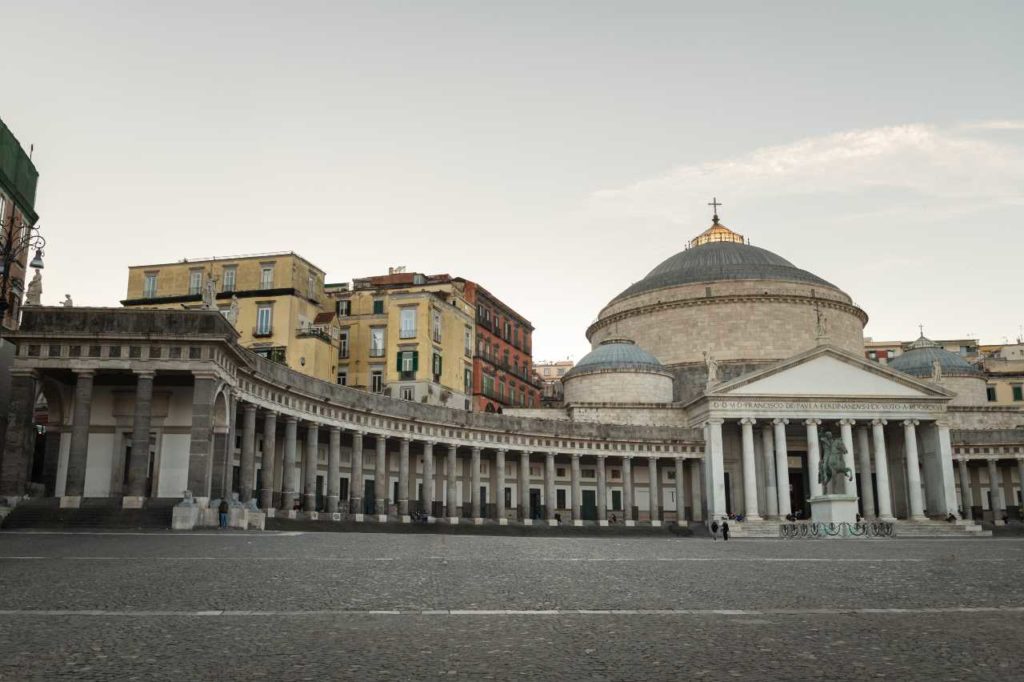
(376, 352)
(262, 332)
(407, 334)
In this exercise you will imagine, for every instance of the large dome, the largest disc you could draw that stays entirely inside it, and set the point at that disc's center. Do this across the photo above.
(616, 354)
(920, 357)
(717, 261)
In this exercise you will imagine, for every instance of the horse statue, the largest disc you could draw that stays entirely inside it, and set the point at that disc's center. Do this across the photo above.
(833, 462)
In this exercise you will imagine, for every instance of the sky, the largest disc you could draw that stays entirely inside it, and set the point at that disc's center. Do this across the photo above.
(553, 151)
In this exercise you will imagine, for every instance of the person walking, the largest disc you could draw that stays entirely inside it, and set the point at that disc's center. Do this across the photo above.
(725, 531)
(223, 509)
(714, 531)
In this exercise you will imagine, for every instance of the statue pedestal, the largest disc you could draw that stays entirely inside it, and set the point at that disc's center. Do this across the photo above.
(838, 508)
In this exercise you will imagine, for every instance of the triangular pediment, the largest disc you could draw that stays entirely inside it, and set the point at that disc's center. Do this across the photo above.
(829, 371)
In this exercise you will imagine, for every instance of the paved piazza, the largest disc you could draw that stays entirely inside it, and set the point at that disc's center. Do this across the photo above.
(385, 606)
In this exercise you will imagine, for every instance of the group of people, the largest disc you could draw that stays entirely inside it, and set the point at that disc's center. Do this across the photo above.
(722, 528)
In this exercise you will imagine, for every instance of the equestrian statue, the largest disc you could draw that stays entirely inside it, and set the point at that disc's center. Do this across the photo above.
(833, 461)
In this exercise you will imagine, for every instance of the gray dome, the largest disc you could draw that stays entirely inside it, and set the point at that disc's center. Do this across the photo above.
(919, 358)
(616, 354)
(714, 261)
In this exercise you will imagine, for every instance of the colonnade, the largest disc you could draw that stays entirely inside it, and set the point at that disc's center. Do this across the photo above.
(1000, 481)
(865, 443)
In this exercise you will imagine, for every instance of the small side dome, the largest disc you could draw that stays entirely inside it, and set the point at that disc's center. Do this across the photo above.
(615, 354)
(920, 357)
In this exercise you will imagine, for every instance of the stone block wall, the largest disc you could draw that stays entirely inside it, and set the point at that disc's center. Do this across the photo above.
(618, 386)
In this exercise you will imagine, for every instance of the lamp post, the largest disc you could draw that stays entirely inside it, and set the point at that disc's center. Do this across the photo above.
(16, 239)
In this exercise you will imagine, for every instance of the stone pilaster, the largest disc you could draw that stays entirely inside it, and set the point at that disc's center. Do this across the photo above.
(653, 490)
(995, 489)
(138, 463)
(696, 490)
(247, 462)
(267, 460)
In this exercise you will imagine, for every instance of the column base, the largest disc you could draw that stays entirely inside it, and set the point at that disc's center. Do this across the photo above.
(132, 501)
(477, 521)
(453, 520)
(431, 519)
(288, 513)
(886, 519)
(552, 522)
(382, 518)
(655, 523)
(629, 523)
(577, 522)
(502, 521)
(754, 517)
(921, 517)
(998, 522)
(313, 516)
(271, 513)
(335, 516)
(527, 522)
(359, 518)
(71, 502)
(603, 523)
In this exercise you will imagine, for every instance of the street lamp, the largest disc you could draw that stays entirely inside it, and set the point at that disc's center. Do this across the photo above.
(15, 241)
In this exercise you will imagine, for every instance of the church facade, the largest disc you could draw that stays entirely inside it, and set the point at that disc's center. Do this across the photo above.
(711, 387)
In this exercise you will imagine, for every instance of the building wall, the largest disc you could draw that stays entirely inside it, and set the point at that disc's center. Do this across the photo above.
(723, 317)
(610, 386)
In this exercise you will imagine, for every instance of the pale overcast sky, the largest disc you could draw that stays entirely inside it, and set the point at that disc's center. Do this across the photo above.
(553, 151)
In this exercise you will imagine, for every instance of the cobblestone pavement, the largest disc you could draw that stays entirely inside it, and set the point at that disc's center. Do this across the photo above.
(367, 606)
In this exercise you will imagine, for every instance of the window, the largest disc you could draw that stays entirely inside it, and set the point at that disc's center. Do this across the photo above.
(344, 308)
(468, 380)
(195, 282)
(266, 277)
(343, 377)
(436, 325)
(377, 342)
(560, 497)
(1018, 393)
(408, 361)
(408, 393)
(991, 393)
(228, 282)
(378, 307)
(587, 473)
(488, 384)
(149, 288)
(437, 367)
(377, 381)
(560, 472)
(264, 319)
(468, 341)
(407, 318)
(343, 348)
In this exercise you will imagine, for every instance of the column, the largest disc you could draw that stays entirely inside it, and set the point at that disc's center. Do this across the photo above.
(355, 485)
(499, 483)
(782, 466)
(1020, 478)
(267, 460)
(549, 486)
(201, 436)
(288, 472)
(813, 456)
(602, 492)
(247, 460)
(524, 487)
(714, 469)
(403, 478)
(995, 488)
(138, 464)
(428, 478)
(654, 488)
(965, 489)
(81, 416)
(846, 434)
(577, 506)
(380, 479)
(881, 470)
(913, 470)
(771, 489)
(627, 491)
(867, 493)
(749, 470)
(451, 501)
(679, 492)
(310, 463)
(474, 491)
(18, 440)
(333, 468)
(696, 503)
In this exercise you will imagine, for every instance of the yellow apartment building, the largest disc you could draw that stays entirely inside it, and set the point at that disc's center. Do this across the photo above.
(276, 301)
(407, 335)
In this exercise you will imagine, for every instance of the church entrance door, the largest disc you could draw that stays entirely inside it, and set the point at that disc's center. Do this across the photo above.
(589, 505)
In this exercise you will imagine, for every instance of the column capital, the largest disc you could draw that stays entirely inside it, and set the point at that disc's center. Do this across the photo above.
(452, 447)
(269, 413)
(601, 456)
(879, 422)
(358, 432)
(430, 443)
(527, 453)
(910, 422)
(405, 439)
(475, 449)
(501, 451)
(333, 428)
(291, 418)
(780, 420)
(144, 373)
(714, 422)
(84, 372)
(847, 421)
(249, 407)
(812, 422)
(748, 421)
(575, 455)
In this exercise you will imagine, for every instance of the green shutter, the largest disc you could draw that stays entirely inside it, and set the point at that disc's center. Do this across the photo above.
(439, 360)
(415, 361)
(398, 365)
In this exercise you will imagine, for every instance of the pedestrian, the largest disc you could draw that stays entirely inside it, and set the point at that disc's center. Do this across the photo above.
(223, 509)
(714, 530)
(725, 531)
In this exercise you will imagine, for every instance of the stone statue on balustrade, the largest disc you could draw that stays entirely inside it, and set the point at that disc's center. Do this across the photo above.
(832, 464)
(34, 291)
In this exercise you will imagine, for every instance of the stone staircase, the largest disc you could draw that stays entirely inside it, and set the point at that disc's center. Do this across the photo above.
(95, 512)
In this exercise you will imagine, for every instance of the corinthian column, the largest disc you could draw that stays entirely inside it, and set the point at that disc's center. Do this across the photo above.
(881, 471)
(813, 456)
(867, 493)
(771, 491)
(782, 466)
(913, 470)
(846, 433)
(749, 470)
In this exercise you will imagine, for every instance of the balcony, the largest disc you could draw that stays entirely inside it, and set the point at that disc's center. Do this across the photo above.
(318, 332)
(407, 375)
(262, 332)
(376, 351)
(407, 334)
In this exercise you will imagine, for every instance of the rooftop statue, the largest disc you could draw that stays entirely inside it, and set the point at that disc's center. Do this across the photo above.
(712, 366)
(34, 291)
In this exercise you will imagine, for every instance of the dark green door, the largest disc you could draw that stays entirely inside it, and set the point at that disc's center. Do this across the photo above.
(589, 509)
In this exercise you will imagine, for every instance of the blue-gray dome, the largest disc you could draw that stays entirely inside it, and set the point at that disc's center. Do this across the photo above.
(721, 260)
(919, 361)
(616, 354)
